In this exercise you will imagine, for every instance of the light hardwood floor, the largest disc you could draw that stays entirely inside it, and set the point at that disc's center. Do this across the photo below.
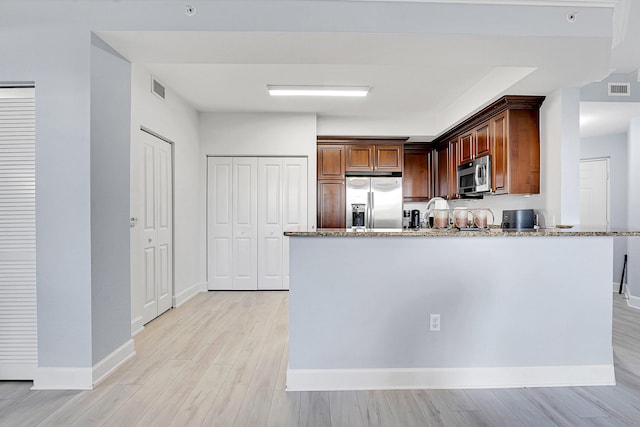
(220, 360)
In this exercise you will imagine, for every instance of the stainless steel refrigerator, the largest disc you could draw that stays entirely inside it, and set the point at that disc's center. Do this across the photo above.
(382, 197)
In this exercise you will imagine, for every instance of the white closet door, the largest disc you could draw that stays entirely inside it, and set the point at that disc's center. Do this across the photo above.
(157, 226)
(245, 227)
(294, 211)
(270, 189)
(220, 223)
(18, 316)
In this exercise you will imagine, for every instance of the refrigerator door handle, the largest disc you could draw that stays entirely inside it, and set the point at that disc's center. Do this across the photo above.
(372, 208)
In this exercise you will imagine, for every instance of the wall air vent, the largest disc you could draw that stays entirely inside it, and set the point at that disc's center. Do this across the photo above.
(157, 88)
(619, 89)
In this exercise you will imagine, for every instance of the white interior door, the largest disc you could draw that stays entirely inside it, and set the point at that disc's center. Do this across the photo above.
(270, 223)
(157, 227)
(219, 223)
(294, 210)
(594, 192)
(245, 223)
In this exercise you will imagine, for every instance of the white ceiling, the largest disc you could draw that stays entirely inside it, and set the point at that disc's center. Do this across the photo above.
(606, 118)
(421, 84)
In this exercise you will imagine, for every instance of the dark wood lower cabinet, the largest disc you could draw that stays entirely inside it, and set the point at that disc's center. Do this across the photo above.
(331, 204)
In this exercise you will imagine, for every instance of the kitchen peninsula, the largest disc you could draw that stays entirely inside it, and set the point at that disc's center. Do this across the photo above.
(511, 309)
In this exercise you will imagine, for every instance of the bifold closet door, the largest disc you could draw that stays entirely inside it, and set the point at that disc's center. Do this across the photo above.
(294, 210)
(220, 222)
(232, 235)
(250, 202)
(270, 199)
(244, 214)
(18, 311)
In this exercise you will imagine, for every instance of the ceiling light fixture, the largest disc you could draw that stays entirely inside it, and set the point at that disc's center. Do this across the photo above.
(275, 90)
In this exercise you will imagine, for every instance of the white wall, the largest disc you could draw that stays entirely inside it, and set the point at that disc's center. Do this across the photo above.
(256, 134)
(633, 207)
(560, 155)
(110, 153)
(613, 147)
(177, 121)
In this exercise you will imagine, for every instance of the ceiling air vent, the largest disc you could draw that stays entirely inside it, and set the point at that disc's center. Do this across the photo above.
(157, 88)
(619, 89)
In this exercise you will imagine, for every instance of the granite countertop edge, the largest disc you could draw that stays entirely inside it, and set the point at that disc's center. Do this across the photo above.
(339, 232)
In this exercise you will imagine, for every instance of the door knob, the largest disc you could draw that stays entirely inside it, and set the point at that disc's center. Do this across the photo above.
(150, 240)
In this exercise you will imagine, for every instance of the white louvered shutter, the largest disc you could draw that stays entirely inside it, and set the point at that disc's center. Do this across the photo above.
(18, 323)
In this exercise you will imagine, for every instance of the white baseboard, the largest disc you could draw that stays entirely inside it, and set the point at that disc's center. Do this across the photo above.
(189, 293)
(106, 366)
(633, 302)
(137, 326)
(616, 286)
(448, 378)
(63, 379)
(18, 372)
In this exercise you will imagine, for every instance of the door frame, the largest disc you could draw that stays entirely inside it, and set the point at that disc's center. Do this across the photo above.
(607, 161)
(136, 322)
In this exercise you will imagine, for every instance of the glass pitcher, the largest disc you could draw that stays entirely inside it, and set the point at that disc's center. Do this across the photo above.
(482, 218)
(441, 218)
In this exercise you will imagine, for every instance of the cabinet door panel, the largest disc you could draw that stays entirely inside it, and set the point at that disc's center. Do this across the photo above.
(442, 189)
(331, 204)
(499, 159)
(454, 161)
(416, 178)
(466, 147)
(388, 158)
(483, 142)
(359, 158)
(331, 161)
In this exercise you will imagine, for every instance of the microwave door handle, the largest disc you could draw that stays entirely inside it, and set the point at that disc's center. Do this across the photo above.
(477, 175)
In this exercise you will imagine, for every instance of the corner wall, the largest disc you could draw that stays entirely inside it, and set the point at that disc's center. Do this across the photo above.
(110, 274)
(613, 147)
(633, 207)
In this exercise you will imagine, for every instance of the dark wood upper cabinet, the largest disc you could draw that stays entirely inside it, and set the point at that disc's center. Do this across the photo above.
(508, 130)
(331, 161)
(417, 176)
(499, 154)
(467, 147)
(521, 147)
(373, 158)
(442, 176)
(454, 161)
(482, 140)
(388, 158)
(359, 158)
(475, 143)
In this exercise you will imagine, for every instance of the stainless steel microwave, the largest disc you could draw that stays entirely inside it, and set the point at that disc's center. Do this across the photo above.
(475, 176)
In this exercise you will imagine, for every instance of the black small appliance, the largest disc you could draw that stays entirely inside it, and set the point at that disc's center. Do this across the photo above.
(518, 219)
(415, 219)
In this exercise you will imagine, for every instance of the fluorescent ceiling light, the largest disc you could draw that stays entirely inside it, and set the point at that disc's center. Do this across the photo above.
(275, 90)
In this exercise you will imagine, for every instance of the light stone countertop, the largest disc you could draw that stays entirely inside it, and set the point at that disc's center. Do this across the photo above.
(492, 232)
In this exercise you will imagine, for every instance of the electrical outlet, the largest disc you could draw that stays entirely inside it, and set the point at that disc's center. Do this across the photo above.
(434, 322)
